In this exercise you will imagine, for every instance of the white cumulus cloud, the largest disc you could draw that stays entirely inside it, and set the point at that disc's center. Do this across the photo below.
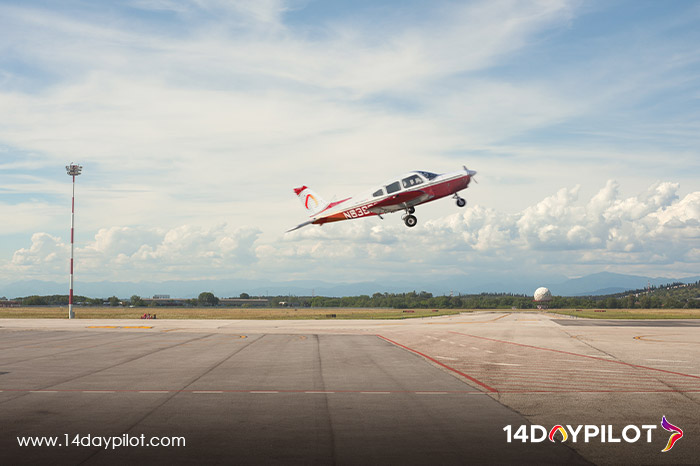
(652, 228)
(135, 253)
(655, 229)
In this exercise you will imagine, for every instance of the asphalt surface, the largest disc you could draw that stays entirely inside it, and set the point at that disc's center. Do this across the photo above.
(628, 323)
(416, 391)
(247, 399)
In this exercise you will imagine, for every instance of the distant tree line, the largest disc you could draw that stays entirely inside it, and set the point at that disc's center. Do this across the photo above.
(60, 300)
(671, 296)
(204, 299)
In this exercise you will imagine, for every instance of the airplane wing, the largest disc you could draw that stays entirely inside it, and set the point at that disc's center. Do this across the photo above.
(400, 201)
(300, 225)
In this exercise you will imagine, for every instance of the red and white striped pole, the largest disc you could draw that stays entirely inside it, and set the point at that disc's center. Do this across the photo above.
(73, 170)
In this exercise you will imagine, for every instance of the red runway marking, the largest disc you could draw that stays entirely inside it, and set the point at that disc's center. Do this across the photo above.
(482, 384)
(580, 355)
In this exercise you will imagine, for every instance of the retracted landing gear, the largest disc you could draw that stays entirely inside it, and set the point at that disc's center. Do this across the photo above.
(460, 201)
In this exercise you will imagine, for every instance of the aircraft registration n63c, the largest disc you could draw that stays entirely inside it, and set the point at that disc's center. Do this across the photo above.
(402, 193)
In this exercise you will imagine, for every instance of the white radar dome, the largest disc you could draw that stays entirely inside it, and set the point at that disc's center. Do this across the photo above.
(543, 294)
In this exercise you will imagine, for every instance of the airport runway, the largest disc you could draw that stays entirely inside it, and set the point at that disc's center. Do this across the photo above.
(425, 391)
(629, 323)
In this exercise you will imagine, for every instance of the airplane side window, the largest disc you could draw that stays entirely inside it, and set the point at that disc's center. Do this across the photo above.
(393, 187)
(378, 193)
(411, 181)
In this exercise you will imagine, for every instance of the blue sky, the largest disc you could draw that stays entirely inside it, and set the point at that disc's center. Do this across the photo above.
(195, 119)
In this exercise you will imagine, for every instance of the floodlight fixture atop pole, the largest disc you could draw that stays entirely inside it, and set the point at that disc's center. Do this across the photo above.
(73, 170)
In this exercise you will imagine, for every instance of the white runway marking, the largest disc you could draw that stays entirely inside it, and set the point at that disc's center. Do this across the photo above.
(447, 358)
(664, 360)
(597, 370)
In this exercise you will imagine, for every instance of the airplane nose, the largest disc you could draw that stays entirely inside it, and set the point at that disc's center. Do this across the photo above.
(469, 172)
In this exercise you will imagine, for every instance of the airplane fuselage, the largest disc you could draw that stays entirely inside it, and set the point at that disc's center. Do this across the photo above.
(401, 193)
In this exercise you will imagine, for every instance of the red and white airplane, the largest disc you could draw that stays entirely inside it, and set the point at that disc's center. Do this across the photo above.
(402, 193)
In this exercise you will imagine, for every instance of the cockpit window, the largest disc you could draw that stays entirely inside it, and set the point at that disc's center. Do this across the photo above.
(411, 181)
(393, 187)
(429, 176)
(378, 193)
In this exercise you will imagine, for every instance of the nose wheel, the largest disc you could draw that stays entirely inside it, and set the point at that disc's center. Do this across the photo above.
(460, 201)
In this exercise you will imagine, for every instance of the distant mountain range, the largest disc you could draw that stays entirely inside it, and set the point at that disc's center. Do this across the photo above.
(594, 284)
(610, 283)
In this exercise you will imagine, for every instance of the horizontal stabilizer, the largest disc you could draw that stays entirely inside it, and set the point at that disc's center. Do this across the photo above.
(301, 225)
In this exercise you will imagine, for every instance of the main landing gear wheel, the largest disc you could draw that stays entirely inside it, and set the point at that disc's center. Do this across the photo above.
(461, 202)
(410, 220)
(411, 210)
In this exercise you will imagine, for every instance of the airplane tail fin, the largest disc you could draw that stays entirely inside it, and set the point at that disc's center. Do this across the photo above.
(313, 203)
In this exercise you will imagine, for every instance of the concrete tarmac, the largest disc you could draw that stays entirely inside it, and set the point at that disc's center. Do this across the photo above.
(628, 323)
(418, 391)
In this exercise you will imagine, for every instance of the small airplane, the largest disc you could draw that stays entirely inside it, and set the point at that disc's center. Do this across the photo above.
(402, 193)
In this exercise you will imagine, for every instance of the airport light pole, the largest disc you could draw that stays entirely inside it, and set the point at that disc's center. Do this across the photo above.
(73, 170)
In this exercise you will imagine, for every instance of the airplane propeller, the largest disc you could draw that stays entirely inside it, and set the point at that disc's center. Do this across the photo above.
(471, 173)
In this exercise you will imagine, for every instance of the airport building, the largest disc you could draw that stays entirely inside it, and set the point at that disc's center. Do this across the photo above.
(166, 300)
